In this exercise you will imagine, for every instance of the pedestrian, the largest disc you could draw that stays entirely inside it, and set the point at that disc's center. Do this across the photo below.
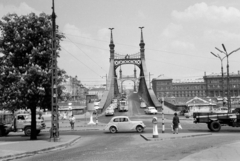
(72, 121)
(175, 123)
(40, 117)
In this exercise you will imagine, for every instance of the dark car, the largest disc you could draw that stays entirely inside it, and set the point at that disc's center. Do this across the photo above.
(236, 110)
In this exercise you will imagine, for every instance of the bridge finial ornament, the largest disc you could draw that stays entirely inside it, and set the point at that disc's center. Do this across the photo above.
(111, 45)
(141, 34)
(142, 44)
(111, 40)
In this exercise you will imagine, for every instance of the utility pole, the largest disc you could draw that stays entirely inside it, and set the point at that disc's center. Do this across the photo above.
(221, 59)
(228, 84)
(54, 132)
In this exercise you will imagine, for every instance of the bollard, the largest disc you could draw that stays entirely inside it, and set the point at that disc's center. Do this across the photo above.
(96, 117)
(155, 127)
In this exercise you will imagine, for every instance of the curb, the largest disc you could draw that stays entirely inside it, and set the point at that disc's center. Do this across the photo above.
(16, 156)
(170, 138)
(82, 128)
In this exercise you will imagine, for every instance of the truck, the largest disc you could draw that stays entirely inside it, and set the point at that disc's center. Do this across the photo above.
(123, 106)
(19, 122)
(215, 121)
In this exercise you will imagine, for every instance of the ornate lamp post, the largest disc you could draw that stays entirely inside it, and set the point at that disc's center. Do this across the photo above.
(221, 59)
(228, 90)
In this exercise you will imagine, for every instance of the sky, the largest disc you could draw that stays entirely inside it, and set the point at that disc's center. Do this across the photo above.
(178, 35)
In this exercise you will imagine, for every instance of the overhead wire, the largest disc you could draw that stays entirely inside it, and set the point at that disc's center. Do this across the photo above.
(86, 54)
(80, 61)
(138, 47)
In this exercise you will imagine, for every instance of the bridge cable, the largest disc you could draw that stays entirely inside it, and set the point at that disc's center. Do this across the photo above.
(86, 54)
(80, 61)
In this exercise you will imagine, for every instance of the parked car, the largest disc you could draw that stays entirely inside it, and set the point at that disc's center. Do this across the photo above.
(221, 110)
(151, 110)
(123, 123)
(109, 112)
(236, 110)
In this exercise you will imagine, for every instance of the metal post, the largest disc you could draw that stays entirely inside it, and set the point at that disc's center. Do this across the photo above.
(223, 92)
(106, 81)
(228, 84)
(228, 91)
(163, 126)
(149, 81)
(54, 132)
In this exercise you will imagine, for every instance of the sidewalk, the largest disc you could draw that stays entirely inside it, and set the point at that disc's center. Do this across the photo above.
(170, 136)
(228, 152)
(64, 125)
(22, 146)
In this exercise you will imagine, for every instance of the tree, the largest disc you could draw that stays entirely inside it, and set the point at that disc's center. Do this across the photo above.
(26, 62)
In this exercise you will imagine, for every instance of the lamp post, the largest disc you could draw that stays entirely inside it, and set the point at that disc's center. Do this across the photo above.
(106, 80)
(221, 59)
(150, 80)
(228, 90)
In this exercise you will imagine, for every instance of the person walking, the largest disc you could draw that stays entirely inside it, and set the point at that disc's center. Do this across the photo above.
(40, 117)
(72, 121)
(175, 123)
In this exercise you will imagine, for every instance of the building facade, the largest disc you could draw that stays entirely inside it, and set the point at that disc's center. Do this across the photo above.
(208, 86)
(74, 89)
(97, 91)
(166, 87)
(214, 85)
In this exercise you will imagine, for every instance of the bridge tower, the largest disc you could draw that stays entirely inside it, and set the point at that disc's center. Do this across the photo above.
(138, 59)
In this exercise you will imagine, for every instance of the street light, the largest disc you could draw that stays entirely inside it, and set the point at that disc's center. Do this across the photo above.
(106, 79)
(150, 80)
(221, 59)
(227, 55)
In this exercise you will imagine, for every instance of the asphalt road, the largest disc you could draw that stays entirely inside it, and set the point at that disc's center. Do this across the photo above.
(104, 146)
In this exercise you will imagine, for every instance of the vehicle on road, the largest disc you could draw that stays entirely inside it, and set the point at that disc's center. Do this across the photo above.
(123, 123)
(143, 104)
(109, 111)
(19, 122)
(215, 121)
(151, 110)
(123, 106)
(221, 110)
(236, 110)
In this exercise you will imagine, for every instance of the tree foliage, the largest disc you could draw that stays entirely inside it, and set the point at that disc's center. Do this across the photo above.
(25, 65)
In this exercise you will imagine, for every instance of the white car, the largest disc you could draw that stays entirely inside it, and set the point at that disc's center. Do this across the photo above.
(222, 110)
(123, 123)
(143, 105)
(109, 112)
(151, 110)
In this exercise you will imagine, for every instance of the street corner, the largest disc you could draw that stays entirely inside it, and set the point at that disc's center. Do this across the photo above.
(30, 148)
(170, 136)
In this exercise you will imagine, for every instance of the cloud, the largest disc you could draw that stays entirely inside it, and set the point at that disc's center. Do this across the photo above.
(172, 30)
(104, 34)
(22, 9)
(212, 35)
(203, 11)
(177, 44)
